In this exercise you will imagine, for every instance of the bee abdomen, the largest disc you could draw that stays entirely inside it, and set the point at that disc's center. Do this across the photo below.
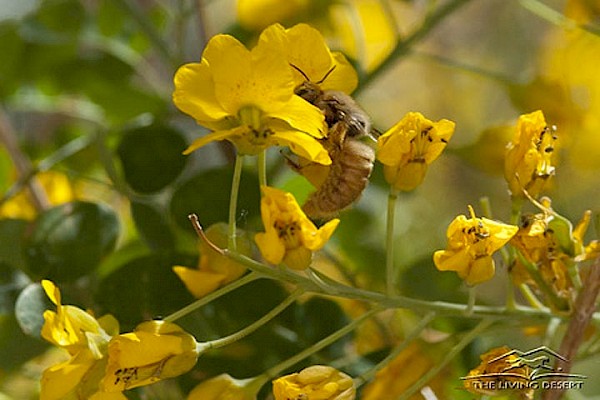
(349, 175)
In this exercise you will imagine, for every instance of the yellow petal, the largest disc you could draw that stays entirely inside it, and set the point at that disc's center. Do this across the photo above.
(108, 396)
(260, 77)
(52, 291)
(307, 50)
(303, 145)
(315, 240)
(199, 283)
(406, 177)
(214, 136)
(155, 350)
(61, 380)
(270, 246)
(298, 259)
(343, 78)
(394, 144)
(195, 93)
(302, 116)
(480, 270)
(366, 30)
(451, 260)
(223, 387)
(257, 14)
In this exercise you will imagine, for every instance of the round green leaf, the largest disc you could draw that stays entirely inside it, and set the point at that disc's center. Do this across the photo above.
(69, 241)
(151, 157)
(143, 288)
(29, 309)
(152, 226)
(15, 347)
(207, 194)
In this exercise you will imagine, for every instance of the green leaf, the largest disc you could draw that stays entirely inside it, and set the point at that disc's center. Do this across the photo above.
(69, 241)
(152, 226)
(207, 194)
(144, 288)
(12, 49)
(29, 309)
(152, 157)
(15, 347)
(62, 16)
(11, 232)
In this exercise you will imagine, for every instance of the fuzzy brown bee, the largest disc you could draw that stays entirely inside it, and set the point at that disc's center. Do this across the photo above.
(341, 183)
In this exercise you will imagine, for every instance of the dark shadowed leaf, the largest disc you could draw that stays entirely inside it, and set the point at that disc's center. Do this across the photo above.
(69, 241)
(151, 157)
(152, 226)
(207, 194)
(144, 288)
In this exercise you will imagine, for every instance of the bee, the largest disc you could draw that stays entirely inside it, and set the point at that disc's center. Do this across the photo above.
(341, 183)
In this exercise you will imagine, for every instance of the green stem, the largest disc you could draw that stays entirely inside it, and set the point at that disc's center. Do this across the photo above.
(334, 288)
(404, 46)
(233, 200)
(464, 342)
(252, 276)
(234, 337)
(370, 374)
(515, 210)
(511, 303)
(471, 301)
(340, 290)
(279, 368)
(573, 271)
(390, 270)
(530, 297)
(262, 168)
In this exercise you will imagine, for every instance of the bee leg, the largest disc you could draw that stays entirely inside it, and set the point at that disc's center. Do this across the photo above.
(337, 134)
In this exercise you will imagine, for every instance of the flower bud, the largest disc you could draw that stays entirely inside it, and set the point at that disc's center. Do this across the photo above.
(155, 350)
(319, 382)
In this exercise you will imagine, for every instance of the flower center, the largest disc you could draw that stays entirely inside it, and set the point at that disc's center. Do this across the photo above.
(420, 143)
(288, 232)
(257, 135)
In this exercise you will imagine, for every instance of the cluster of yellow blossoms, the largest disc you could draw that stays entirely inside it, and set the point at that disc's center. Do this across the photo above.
(104, 363)
(247, 96)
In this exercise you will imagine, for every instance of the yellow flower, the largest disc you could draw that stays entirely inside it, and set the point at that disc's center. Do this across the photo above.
(214, 269)
(257, 14)
(315, 382)
(410, 146)
(247, 97)
(72, 328)
(549, 242)
(56, 187)
(305, 48)
(528, 161)
(86, 339)
(471, 243)
(155, 350)
(224, 387)
(400, 374)
(289, 237)
(365, 29)
(498, 372)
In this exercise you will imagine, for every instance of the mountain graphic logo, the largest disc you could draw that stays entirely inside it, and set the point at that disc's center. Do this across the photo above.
(524, 371)
(538, 361)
